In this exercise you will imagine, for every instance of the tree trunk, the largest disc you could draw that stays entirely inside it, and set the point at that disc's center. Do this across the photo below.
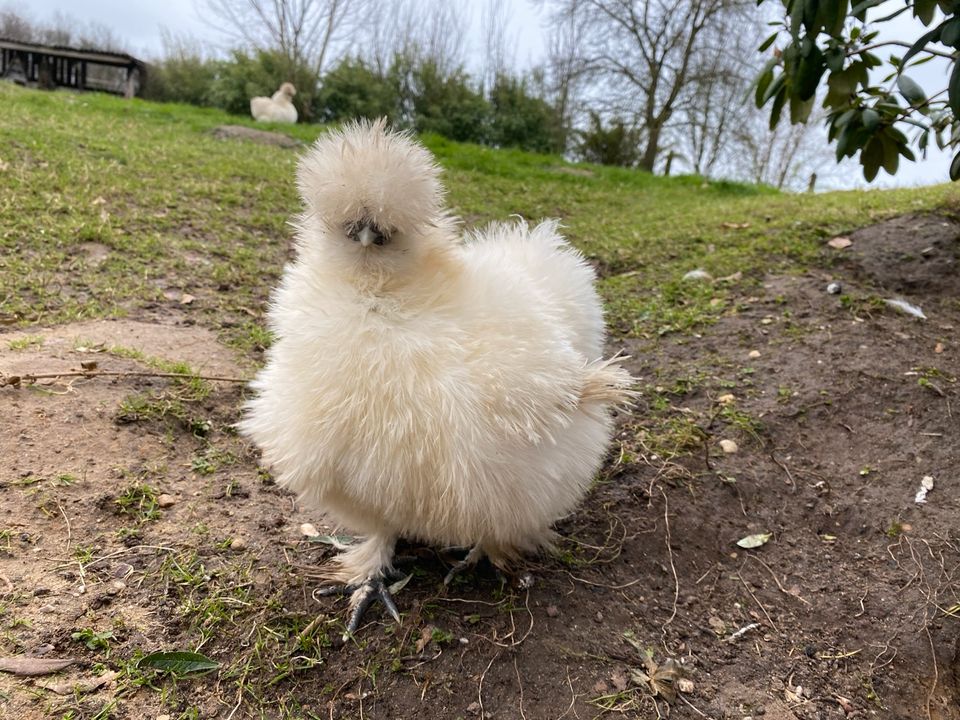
(652, 149)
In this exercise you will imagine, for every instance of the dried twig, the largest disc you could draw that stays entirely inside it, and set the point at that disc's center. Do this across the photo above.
(676, 580)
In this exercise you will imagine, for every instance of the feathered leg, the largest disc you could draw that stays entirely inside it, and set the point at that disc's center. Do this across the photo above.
(361, 571)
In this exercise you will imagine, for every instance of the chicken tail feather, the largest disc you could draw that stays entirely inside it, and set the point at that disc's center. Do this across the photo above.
(606, 382)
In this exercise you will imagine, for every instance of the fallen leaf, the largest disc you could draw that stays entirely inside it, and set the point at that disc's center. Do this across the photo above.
(84, 686)
(754, 541)
(29, 666)
(426, 635)
(186, 299)
(845, 704)
(178, 663)
(840, 242)
(726, 399)
(619, 680)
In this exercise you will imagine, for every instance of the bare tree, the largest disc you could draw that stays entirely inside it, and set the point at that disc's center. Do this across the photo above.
(303, 31)
(647, 52)
(499, 42)
(433, 29)
(567, 70)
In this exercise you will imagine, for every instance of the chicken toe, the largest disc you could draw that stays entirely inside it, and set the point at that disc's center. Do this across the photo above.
(362, 597)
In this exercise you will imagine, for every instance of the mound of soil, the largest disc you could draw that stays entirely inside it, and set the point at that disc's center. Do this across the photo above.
(846, 607)
(264, 137)
(912, 254)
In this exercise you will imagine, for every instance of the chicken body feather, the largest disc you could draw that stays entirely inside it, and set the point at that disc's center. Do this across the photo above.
(452, 394)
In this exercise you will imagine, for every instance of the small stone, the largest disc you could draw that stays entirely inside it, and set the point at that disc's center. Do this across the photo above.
(164, 500)
(840, 242)
(726, 399)
(698, 274)
(729, 446)
(754, 354)
(163, 717)
(834, 288)
(552, 611)
(767, 321)
(308, 530)
(473, 708)
(685, 685)
(122, 570)
(116, 586)
(598, 617)
(238, 544)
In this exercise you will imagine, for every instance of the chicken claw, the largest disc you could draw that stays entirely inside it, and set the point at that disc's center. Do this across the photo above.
(468, 562)
(361, 598)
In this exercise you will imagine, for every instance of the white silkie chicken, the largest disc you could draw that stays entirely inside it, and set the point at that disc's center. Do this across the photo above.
(423, 386)
(278, 108)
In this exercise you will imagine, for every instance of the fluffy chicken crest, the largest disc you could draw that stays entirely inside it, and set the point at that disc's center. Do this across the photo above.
(428, 386)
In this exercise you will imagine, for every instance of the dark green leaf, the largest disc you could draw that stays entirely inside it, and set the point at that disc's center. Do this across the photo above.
(763, 82)
(870, 119)
(871, 157)
(809, 72)
(178, 663)
(927, 37)
(924, 9)
(768, 42)
(953, 90)
(908, 153)
(910, 90)
(951, 33)
(775, 87)
(955, 168)
(891, 155)
(861, 7)
(834, 58)
(777, 107)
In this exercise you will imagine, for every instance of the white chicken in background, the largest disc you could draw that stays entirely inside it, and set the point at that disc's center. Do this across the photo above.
(278, 108)
(424, 386)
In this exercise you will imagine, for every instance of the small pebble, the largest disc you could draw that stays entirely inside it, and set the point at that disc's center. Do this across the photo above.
(834, 288)
(754, 354)
(767, 321)
(729, 446)
(552, 611)
(116, 586)
(726, 399)
(308, 530)
(165, 500)
(698, 274)
(121, 570)
(238, 543)
(599, 617)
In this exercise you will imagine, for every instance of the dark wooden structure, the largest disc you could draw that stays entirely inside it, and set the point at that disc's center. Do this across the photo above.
(52, 66)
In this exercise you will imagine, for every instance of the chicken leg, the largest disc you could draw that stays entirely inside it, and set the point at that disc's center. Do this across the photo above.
(361, 571)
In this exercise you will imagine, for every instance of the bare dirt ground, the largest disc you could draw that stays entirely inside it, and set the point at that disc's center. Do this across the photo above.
(133, 520)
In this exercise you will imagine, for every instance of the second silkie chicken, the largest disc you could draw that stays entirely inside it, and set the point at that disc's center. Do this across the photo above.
(421, 384)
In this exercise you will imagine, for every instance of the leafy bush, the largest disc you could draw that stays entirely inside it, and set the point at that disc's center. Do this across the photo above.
(443, 103)
(353, 89)
(520, 119)
(614, 144)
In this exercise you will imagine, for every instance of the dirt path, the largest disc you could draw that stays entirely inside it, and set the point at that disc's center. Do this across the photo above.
(133, 520)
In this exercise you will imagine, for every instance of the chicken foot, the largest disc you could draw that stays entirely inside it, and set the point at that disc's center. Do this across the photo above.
(472, 558)
(362, 596)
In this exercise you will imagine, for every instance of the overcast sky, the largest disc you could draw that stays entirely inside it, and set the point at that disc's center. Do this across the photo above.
(139, 23)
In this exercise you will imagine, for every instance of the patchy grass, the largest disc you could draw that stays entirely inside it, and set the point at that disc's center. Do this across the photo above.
(199, 224)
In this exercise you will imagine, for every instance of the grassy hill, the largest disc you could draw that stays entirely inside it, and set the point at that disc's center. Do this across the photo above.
(133, 519)
(174, 210)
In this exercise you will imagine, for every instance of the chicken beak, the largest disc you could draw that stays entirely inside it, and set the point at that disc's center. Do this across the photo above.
(366, 236)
